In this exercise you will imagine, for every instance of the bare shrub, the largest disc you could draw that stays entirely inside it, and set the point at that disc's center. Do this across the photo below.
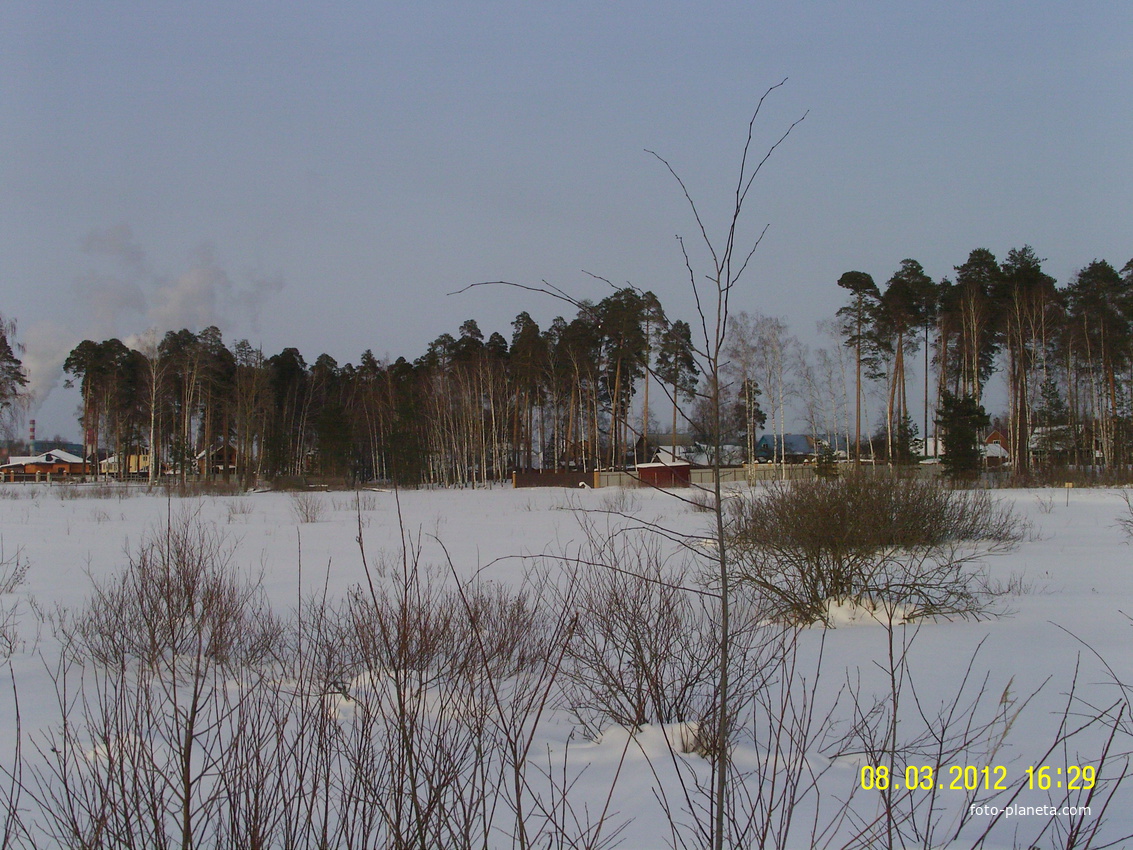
(307, 506)
(178, 597)
(1045, 503)
(703, 500)
(1125, 521)
(13, 572)
(97, 490)
(13, 569)
(620, 500)
(434, 632)
(66, 492)
(239, 509)
(195, 488)
(1016, 584)
(441, 692)
(157, 680)
(643, 649)
(357, 501)
(902, 543)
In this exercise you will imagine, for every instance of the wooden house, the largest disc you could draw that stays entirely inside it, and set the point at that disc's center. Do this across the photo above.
(133, 465)
(53, 462)
(217, 459)
(995, 450)
(666, 471)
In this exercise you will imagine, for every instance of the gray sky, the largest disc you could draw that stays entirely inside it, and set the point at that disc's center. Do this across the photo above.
(321, 175)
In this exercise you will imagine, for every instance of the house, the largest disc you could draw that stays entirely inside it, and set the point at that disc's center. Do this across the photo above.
(38, 447)
(932, 449)
(217, 459)
(659, 448)
(53, 462)
(993, 450)
(136, 464)
(995, 455)
(647, 447)
(798, 448)
(1052, 444)
(665, 470)
(997, 438)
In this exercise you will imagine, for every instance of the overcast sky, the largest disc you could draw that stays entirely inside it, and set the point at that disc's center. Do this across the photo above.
(322, 175)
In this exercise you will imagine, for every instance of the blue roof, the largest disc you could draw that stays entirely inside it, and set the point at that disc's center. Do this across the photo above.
(797, 444)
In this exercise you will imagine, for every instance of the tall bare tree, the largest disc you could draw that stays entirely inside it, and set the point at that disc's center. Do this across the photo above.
(727, 259)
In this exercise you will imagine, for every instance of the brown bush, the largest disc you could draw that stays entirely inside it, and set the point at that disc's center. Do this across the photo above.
(898, 542)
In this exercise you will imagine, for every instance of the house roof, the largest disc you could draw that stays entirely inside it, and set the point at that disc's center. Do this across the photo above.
(791, 444)
(215, 450)
(137, 456)
(51, 456)
(59, 455)
(1051, 438)
(664, 457)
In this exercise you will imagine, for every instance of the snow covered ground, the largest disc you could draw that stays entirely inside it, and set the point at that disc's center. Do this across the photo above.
(1070, 589)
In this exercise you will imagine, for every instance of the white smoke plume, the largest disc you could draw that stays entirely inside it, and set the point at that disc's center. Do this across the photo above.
(46, 346)
(124, 296)
(118, 244)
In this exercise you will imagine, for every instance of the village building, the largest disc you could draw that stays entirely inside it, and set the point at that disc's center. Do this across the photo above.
(798, 448)
(219, 460)
(135, 465)
(53, 462)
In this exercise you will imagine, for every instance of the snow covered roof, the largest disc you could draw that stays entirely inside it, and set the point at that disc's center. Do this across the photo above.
(791, 444)
(1051, 438)
(665, 457)
(60, 455)
(52, 456)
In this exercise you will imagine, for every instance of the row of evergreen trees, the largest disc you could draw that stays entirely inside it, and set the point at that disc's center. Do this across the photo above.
(579, 393)
(467, 411)
(1066, 353)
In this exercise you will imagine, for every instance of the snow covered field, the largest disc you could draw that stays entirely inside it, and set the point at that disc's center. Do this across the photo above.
(1068, 589)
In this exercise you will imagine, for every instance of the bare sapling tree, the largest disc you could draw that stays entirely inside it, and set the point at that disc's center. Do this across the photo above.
(519, 650)
(156, 369)
(729, 256)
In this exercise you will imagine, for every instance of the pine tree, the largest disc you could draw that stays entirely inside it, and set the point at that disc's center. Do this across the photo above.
(959, 421)
(13, 378)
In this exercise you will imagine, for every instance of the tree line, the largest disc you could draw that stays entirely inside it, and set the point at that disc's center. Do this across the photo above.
(469, 410)
(579, 393)
(1066, 353)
